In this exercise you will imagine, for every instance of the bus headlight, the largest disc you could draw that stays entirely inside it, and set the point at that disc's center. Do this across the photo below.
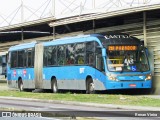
(148, 77)
(113, 78)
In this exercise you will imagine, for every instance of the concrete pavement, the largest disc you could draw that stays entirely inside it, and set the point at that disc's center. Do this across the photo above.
(127, 107)
(112, 106)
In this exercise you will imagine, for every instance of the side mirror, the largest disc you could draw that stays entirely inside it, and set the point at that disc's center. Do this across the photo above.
(104, 52)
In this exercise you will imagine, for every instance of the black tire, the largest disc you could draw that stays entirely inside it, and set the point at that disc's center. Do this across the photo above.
(90, 86)
(20, 85)
(54, 86)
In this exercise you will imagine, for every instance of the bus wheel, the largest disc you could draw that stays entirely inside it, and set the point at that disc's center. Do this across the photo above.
(54, 86)
(20, 85)
(90, 86)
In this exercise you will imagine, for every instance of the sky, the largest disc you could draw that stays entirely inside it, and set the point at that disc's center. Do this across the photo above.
(11, 10)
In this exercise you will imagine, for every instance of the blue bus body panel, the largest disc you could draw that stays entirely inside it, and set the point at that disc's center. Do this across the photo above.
(68, 72)
(76, 74)
(28, 75)
(80, 73)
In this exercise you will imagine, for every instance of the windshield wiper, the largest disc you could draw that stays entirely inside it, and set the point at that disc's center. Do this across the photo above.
(140, 67)
(122, 69)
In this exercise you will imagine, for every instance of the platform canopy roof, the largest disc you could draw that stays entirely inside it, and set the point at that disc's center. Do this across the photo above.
(66, 25)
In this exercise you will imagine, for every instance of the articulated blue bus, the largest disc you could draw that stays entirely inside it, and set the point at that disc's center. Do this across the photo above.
(92, 63)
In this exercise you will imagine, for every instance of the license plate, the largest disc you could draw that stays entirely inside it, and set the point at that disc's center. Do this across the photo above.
(132, 85)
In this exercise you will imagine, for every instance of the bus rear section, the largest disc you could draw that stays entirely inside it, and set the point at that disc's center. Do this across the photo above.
(20, 67)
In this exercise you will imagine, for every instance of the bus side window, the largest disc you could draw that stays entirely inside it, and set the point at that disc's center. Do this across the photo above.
(29, 58)
(21, 58)
(13, 59)
(90, 56)
(70, 57)
(49, 55)
(99, 58)
(25, 58)
(33, 51)
(45, 57)
(61, 55)
(79, 53)
(54, 56)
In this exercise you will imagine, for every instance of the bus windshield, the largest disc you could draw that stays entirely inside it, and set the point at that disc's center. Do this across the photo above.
(128, 61)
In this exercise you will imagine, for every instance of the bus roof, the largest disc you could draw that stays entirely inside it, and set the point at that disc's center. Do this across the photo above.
(66, 40)
(76, 39)
(111, 39)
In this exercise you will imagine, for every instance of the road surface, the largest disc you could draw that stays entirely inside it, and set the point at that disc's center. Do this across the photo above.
(50, 110)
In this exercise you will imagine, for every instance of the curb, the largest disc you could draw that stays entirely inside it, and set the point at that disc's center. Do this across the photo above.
(126, 107)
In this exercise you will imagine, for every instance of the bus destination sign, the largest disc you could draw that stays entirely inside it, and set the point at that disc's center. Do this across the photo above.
(122, 47)
(117, 36)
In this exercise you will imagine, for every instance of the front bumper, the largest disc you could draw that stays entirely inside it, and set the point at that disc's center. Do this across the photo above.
(129, 85)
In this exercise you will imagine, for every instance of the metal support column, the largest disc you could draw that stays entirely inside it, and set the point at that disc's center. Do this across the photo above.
(22, 35)
(93, 4)
(53, 15)
(54, 34)
(144, 29)
(22, 12)
(22, 20)
(53, 8)
(93, 26)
